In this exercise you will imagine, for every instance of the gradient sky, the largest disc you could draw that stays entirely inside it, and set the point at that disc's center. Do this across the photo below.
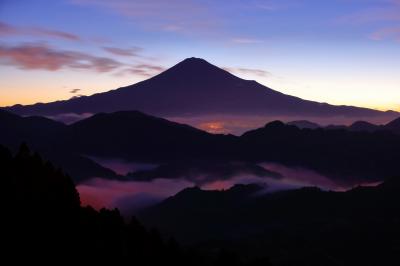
(336, 51)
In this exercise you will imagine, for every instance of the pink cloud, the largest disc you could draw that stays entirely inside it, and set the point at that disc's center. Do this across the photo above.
(10, 30)
(99, 192)
(146, 70)
(246, 40)
(252, 71)
(40, 56)
(124, 52)
(386, 33)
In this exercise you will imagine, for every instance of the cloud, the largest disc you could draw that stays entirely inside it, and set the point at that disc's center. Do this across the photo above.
(388, 14)
(146, 70)
(251, 71)
(386, 33)
(387, 11)
(10, 30)
(40, 56)
(69, 118)
(134, 51)
(246, 40)
(32, 56)
(173, 15)
(73, 91)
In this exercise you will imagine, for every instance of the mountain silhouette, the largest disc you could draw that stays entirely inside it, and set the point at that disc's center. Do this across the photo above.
(304, 124)
(306, 226)
(363, 126)
(45, 222)
(196, 87)
(342, 154)
(393, 126)
(136, 136)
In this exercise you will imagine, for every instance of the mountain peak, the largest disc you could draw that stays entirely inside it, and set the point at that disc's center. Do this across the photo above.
(194, 60)
(194, 67)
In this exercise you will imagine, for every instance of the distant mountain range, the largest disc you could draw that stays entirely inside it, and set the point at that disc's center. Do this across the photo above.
(195, 87)
(393, 126)
(343, 155)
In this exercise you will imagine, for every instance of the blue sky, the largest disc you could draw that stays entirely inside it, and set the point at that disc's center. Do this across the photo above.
(338, 51)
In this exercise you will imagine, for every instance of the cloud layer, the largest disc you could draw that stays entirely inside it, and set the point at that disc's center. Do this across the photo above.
(251, 71)
(31, 56)
(41, 56)
(10, 30)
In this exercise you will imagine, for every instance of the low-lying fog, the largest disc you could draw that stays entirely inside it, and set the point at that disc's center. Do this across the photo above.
(130, 196)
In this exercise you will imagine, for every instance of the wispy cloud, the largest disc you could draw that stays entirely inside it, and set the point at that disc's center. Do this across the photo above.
(31, 56)
(385, 18)
(41, 56)
(251, 71)
(146, 70)
(134, 51)
(73, 91)
(387, 10)
(10, 30)
(273, 5)
(173, 15)
(386, 33)
(246, 40)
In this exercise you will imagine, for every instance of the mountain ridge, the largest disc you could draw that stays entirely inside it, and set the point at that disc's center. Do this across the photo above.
(196, 87)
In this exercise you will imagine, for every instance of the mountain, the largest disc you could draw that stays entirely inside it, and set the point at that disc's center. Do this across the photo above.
(393, 126)
(136, 136)
(341, 155)
(196, 87)
(58, 226)
(50, 138)
(304, 124)
(306, 226)
(129, 135)
(363, 126)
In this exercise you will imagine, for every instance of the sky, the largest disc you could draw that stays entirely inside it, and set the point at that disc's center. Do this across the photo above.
(336, 51)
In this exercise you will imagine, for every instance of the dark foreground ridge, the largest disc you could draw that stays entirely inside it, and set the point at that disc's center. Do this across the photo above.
(45, 223)
(305, 226)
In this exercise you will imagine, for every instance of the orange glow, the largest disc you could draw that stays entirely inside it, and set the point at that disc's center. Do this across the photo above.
(213, 127)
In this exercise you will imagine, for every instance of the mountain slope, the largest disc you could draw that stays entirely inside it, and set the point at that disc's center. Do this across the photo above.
(393, 126)
(137, 136)
(350, 227)
(196, 87)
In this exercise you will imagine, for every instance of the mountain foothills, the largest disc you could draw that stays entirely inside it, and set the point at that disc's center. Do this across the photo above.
(46, 224)
(305, 226)
(195, 87)
(300, 227)
(341, 154)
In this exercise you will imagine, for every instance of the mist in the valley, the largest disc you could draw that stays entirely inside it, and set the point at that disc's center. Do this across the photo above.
(132, 195)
